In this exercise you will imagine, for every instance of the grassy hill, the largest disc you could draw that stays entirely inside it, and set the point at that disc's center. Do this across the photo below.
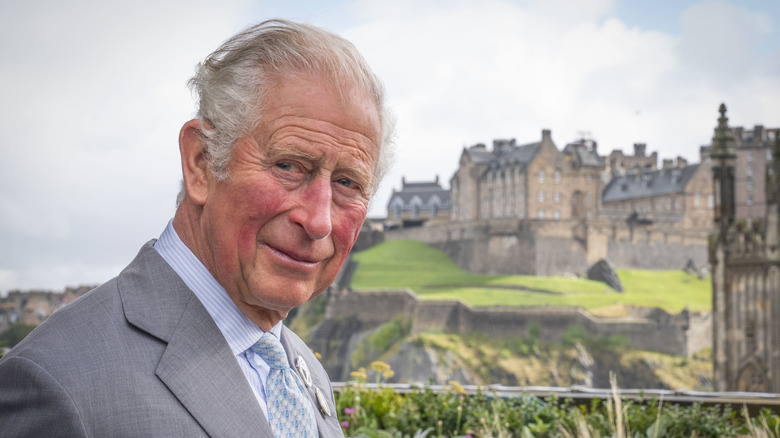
(430, 273)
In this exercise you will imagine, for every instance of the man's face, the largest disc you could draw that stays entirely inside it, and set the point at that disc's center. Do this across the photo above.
(281, 225)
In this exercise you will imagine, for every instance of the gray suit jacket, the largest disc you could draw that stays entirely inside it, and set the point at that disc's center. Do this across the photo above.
(138, 356)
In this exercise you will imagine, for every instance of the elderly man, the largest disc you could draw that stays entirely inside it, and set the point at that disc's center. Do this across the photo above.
(278, 168)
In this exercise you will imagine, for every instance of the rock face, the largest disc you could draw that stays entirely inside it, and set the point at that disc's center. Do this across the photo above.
(604, 272)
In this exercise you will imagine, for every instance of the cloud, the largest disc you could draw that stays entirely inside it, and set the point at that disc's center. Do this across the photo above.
(95, 95)
(474, 72)
(94, 98)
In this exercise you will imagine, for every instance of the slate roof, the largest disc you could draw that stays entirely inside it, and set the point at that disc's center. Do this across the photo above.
(425, 191)
(648, 184)
(585, 155)
(508, 156)
(479, 155)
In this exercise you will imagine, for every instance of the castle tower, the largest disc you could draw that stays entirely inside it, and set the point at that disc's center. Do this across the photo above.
(745, 279)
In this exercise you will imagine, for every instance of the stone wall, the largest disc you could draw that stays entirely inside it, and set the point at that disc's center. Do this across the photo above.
(540, 247)
(645, 329)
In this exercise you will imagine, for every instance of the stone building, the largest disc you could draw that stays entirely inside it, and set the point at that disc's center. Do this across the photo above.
(745, 258)
(753, 151)
(417, 203)
(620, 164)
(678, 194)
(535, 180)
(32, 307)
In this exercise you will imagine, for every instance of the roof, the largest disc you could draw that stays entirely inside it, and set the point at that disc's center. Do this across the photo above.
(586, 156)
(648, 184)
(509, 156)
(426, 192)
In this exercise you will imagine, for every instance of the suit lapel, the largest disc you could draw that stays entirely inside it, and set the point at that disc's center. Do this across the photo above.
(197, 366)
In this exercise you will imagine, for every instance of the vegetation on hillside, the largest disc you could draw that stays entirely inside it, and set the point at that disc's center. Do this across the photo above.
(430, 273)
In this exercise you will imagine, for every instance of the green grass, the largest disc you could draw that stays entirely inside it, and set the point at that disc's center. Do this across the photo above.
(431, 274)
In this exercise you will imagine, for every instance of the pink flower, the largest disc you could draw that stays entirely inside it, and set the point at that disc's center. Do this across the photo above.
(345, 424)
(349, 411)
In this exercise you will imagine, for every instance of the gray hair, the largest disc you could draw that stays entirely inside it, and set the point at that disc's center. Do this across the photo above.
(231, 84)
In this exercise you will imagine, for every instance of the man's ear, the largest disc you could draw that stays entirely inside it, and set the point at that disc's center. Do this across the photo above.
(193, 162)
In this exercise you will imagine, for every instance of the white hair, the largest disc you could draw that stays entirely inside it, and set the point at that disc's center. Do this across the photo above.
(232, 82)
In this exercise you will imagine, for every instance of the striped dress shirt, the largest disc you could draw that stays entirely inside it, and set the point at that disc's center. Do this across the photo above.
(239, 331)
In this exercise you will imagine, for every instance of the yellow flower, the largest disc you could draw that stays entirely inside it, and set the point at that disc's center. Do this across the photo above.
(318, 356)
(457, 387)
(359, 375)
(379, 366)
(388, 374)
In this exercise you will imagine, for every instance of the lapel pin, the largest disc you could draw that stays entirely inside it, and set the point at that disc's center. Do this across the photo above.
(303, 370)
(323, 402)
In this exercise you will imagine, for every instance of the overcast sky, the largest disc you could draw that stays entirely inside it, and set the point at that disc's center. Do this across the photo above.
(94, 95)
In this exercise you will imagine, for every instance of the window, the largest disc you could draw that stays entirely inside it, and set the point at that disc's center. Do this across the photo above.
(557, 197)
(749, 171)
(540, 214)
(749, 183)
(711, 201)
(750, 199)
(397, 211)
(750, 157)
(540, 197)
(541, 176)
(697, 200)
(588, 178)
(557, 176)
(557, 215)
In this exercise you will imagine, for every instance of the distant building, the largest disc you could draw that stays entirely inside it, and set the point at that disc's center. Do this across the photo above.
(417, 203)
(620, 164)
(32, 307)
(536, 181)
(679, 194)
(745, 258)
(753, 150)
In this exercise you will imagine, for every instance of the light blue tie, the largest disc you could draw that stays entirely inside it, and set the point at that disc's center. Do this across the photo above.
(289, 410)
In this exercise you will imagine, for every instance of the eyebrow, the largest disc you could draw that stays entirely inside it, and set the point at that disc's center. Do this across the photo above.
(360, 174)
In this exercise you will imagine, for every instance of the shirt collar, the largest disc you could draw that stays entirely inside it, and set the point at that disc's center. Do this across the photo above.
(239, 331)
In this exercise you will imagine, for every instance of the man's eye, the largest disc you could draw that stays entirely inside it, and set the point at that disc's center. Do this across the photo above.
(284, 166)
(346, 182)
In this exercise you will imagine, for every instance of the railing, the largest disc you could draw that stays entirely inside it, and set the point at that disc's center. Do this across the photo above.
(752, 400)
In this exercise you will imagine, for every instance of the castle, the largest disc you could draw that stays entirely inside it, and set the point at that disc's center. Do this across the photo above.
(535, 209)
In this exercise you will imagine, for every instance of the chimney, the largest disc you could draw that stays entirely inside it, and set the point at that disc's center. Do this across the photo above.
(668, 163)
(639, 149)
(739, 133)
(546, 135)
(681, 162)
(758, 134)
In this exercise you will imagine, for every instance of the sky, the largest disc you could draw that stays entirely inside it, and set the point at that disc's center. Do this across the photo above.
(95, 93)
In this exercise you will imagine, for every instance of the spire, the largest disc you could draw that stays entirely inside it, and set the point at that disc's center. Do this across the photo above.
(723, 158)
(723, 140)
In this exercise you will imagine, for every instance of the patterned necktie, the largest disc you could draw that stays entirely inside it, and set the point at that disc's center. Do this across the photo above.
(289, 410)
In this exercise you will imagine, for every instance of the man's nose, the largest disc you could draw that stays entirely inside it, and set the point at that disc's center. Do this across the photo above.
(314, 213)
